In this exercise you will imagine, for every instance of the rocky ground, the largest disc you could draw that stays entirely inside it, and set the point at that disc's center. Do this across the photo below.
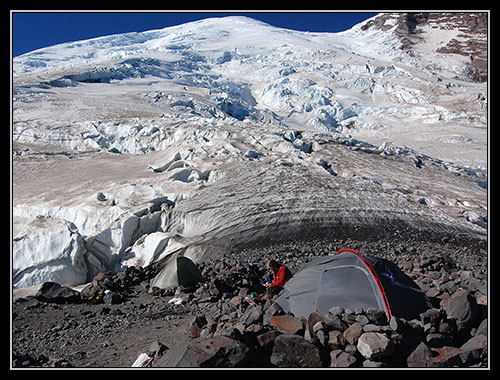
(215, 326)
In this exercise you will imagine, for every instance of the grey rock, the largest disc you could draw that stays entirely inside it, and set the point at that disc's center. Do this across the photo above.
(295, 351)
(373, 345)
(420, 357)
(463, 309)
(55, 293)
(341, 359)
(220, 351)
(376, 316)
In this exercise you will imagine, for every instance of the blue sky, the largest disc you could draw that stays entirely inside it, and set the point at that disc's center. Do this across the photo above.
(31, 31)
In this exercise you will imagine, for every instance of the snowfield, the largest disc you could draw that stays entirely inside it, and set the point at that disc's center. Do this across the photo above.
(229, 132)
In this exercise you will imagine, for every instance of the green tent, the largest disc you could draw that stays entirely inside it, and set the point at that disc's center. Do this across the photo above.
(177, 271)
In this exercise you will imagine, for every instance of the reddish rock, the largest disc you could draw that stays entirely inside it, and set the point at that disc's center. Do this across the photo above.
(267, 338)
(446, 357)
(353, 333)
(336, 340)
(286, 324)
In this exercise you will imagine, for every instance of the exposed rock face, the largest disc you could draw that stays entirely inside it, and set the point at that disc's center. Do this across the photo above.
(463, 34)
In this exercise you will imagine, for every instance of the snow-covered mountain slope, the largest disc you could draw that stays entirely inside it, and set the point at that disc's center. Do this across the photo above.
(228, 131)
(361, 82)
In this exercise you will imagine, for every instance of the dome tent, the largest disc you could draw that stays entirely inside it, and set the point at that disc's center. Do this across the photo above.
(179, 270)
(351, 280)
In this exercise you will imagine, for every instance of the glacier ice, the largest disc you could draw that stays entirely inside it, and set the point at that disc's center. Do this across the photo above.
(50, 250)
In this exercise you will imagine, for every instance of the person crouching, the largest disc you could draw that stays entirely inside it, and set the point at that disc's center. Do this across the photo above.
(281, 274)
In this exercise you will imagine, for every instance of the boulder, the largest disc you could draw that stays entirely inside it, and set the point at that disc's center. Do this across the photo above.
(376, 316)
(336, 340)
(474, 284)
(333, 322)
(267, 339)
(420, 357)
(294, 351)
(236, 301)
(372, 364)
(446, 357)
(197, 325)
(253, 314)
(219, 287)
(474, 349)
(270, 311)
(373, 345)
(336, 310)
(313, 320)
(483, 328)
(156, 350)
(219, 351)
(341, 359)
(287, 324)
(55, 293)
(396, 324)
(463, 309)
(432, 316)
(315, 329)
(438, 340)
(353, 333)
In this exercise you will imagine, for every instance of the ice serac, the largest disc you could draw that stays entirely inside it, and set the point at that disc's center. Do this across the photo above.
(49, 249)
(227, 132)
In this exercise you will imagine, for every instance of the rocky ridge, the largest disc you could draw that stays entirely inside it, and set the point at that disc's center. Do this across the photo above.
(469, 40)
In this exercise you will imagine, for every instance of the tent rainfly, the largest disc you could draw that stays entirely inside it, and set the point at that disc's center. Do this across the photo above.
(352, 281)
(177, 271)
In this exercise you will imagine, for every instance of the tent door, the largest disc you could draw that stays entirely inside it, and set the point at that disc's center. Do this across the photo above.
(347, 286)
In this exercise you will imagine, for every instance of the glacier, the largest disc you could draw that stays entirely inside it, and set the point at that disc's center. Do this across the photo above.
(228, 132)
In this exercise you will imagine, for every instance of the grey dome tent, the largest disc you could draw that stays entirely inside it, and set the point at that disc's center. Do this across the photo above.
(179, 270)
(351, 280)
